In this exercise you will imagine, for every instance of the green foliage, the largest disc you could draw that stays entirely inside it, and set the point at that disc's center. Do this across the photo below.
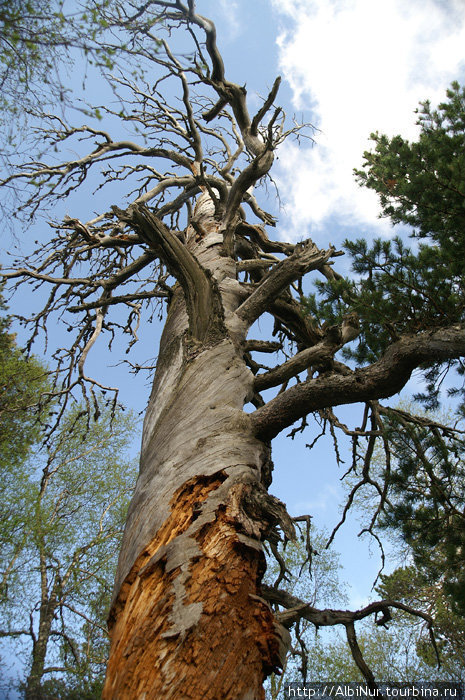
(399, 289)
(427, 503)
(423, 183)
(400, 653)
(395, 655)
(389, 653)
(22, 383)
(420, 470)
(71, 689)
(411, 586)
(58, 564)
(32, 39)
(314, 580)
(41, 39)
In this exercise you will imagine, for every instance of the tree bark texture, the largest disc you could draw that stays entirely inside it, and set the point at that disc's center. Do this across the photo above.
(48, 605)
(187, 619)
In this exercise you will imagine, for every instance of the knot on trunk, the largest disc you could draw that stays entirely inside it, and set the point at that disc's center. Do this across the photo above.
(259, 513)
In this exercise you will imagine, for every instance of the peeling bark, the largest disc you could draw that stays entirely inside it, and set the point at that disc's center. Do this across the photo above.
(160, 639)
(191, 557)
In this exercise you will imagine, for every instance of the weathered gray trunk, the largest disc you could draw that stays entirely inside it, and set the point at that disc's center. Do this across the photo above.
(186, 619)
(40, 644)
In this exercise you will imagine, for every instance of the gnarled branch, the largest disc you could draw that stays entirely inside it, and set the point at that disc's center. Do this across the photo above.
(306, 257)
(203, 303)
(382, 379)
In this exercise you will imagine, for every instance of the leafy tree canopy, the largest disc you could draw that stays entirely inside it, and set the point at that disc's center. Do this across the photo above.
(58, 562)
(410, 494)
(401, 290)
(22, 383)
(426, 503)
(410, 585)
(400, 651)
(422, 183)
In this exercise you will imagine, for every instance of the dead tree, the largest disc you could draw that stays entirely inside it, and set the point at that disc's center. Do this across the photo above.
(189, 616)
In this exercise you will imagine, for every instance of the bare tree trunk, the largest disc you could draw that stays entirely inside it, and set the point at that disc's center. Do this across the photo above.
(187, 620)
(40, 643)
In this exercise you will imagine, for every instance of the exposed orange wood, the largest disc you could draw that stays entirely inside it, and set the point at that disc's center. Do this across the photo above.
(235, 630)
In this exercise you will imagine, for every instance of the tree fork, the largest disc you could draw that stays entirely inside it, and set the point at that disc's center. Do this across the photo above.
(203, 305)
(192, 555)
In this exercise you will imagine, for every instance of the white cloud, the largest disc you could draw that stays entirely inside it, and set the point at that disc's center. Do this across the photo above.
(359, 66)
(229, 10)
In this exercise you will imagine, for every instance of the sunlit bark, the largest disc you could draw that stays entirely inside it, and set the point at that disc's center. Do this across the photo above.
(187, 619)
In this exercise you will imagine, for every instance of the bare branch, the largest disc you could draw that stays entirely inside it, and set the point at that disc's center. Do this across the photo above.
(383, 378)
(306, 257)
(265, 107)
(201, 297)
(261, 346)
(297, 608)
(324, 351)
(358, 656)
(125, 299)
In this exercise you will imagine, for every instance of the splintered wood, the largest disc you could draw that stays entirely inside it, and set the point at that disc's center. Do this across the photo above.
(150, 658)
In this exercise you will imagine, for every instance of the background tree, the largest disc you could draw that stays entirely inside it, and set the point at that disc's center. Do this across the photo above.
(192, 554)
(22, 383)
(34, 39)
(400, 651)
(410, 585)
(48, 51)
(306, 569)
(421, 183)
(415, 488)
(402, 289)
(69, 503)
(427, 504)
(393, 655)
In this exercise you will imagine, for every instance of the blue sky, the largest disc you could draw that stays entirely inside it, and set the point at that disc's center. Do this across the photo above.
(350, 67)
(359, 66)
